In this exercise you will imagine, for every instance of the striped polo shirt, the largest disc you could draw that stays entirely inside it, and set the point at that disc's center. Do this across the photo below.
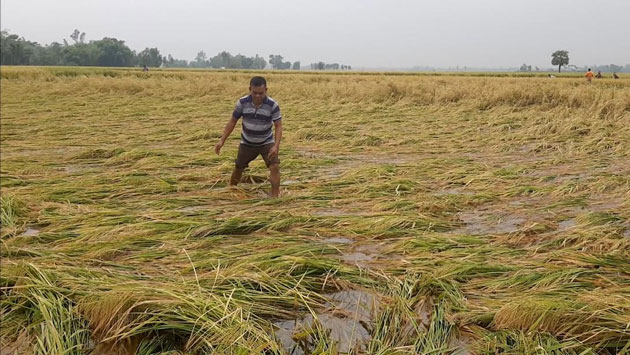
(257, 122)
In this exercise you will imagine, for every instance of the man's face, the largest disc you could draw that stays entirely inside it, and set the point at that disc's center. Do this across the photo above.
(258, 93)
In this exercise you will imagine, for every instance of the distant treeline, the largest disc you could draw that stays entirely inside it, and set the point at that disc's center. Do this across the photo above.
(112, 52)
(610, 68)
(333, 66)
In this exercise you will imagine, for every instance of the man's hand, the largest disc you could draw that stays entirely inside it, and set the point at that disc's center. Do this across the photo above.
(229, 127)
(217, 148)
(273, 151)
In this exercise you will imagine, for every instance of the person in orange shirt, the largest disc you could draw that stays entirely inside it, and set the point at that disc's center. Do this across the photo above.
(589, 75)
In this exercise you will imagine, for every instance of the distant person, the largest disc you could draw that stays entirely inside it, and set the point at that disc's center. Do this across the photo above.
(145, 68)
(589, 75)
(551, 76)
(599, 74)
(615, 76)
(259, 113)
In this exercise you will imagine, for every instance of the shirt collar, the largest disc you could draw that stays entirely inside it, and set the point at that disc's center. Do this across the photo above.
(250, 98)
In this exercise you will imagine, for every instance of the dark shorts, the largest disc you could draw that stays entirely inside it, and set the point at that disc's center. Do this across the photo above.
(247, 153)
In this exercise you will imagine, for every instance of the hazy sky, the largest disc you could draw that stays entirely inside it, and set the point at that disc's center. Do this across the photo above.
(362, 33)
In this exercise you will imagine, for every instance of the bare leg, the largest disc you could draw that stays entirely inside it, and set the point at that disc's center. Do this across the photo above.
(275, 180)
(236, 176)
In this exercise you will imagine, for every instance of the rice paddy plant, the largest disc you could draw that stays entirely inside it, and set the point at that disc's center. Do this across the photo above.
(486, 213)
(10, 212)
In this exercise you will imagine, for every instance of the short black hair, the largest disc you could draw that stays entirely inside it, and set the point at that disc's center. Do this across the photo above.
(589, 69)
(258, 81)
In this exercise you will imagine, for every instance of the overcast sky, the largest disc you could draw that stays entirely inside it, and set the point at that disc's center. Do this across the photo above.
(362, 33)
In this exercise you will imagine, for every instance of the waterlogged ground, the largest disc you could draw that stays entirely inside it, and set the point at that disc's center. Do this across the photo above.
(419, 214)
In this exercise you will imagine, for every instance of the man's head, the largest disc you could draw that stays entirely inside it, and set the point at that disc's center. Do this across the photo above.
(589, 69)
(258, 89)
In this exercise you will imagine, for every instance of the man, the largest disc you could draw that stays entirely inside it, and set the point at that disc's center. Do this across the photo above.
(599, 74)
(615, 76)
(589, 75)
(259, 113)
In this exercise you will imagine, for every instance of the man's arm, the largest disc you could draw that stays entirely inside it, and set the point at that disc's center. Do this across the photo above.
(277, 125)
(229, 127)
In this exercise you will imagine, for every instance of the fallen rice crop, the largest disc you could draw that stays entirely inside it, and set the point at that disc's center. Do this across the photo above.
(420, 213)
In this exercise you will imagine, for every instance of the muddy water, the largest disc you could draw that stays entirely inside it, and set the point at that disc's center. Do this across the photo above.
(337, 240)
(192, 209)
(73, 169)
(479, 223)
(567, 224)
(30, 232)
(461, 345)
(345, 317)
(253, 179)
(364, 254)
(358, 258)
(289, 182)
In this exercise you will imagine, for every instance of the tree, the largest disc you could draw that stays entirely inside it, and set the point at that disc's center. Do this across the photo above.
(112, 53)
(247, 62)
(226, 58)
(201, 60)
(150, 57)
(16, 50)
(615, 68)
(236, 62)
(560, 58)
(11, 48)
(83, 54)
(259, 62)
(276, 61)
(75, 36)
(175, 63)
(51, 54)
(222, 60)
(78, 36)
